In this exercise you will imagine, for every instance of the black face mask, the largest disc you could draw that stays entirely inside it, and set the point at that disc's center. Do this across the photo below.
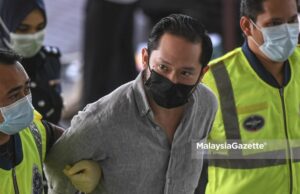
(167, 94)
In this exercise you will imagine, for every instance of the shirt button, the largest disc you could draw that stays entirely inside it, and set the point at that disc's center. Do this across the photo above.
(41, 103)
(168, 181)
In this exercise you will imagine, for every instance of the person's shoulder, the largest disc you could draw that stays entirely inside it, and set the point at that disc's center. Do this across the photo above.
(228, 56)
(106, 110)
(226, 60)
(206, 95)
(119, 99)
(297, 51)
(52, 51)
(49, 56)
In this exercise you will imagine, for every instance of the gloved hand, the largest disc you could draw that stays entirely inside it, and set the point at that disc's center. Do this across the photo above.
(84, 175)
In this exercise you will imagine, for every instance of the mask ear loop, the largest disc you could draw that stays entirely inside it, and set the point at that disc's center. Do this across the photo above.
(7, 42)
(251, 37)
(149, 67)
(148, 82)
(197, 82)
(256, 26)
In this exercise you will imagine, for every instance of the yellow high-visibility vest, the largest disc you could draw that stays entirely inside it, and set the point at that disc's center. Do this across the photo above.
(26, 177)
(252, 110)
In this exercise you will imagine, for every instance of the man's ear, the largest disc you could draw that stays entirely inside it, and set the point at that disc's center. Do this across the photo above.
(203, 71)
(145, 58)
(245, 25)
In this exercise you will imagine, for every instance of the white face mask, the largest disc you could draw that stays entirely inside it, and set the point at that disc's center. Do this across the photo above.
(279, 41)
(26, 45)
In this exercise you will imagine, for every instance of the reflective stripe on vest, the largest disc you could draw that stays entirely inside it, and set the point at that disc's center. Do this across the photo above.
(38, 139)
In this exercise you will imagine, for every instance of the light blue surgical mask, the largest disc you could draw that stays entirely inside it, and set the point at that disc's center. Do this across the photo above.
(279, 41)
(17, 116)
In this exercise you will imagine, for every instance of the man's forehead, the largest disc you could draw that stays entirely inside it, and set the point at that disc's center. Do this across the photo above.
(280, 8)
(11, 71)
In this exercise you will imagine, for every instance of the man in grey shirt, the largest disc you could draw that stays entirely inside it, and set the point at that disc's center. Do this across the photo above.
(142, 133)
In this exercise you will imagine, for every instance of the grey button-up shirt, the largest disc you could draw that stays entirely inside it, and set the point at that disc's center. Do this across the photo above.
(133, 151)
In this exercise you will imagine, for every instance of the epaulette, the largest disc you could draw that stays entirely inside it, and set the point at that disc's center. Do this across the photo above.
(51, 50)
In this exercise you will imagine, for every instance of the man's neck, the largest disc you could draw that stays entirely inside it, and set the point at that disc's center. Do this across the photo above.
(168, 119)
(4, 138)
(274, 68)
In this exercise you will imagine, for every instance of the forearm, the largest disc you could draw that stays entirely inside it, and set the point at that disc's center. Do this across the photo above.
(57, 158)
(53, 133)
(57, 131)
(74, 145)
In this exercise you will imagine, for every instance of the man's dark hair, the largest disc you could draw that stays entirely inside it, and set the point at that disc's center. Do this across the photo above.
(252, 8)
(8, 57)
(183, 26)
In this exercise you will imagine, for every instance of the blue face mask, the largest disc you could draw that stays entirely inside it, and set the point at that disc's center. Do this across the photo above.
(17, 116)
(279, 41)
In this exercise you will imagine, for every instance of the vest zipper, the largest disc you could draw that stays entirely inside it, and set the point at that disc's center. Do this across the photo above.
(15, 181)
(287, 139)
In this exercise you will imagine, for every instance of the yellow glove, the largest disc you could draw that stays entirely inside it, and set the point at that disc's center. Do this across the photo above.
(84, 175)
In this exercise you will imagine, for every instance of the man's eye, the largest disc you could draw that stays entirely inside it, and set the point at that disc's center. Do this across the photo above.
(163, 67)
(14, 97)
(186, 73)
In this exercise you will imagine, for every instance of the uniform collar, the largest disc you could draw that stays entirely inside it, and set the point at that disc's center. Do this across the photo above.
(6, 163)
(262, 72)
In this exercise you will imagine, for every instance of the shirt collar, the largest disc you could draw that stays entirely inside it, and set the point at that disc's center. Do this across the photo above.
(262, 72)
(140, 95)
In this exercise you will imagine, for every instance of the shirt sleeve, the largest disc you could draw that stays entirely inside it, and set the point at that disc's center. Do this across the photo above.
(53, 132)
(82, 141)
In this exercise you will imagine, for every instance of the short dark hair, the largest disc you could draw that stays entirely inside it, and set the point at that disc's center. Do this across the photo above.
(8, 57)
(252, 8)
(183, 26)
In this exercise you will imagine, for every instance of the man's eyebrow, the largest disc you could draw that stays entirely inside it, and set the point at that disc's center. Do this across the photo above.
(277, 19)
(164, 61)
(184, 68)
(281, 19)
(189, 68)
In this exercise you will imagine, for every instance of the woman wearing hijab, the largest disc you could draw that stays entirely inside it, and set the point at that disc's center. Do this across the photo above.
(22, 29)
